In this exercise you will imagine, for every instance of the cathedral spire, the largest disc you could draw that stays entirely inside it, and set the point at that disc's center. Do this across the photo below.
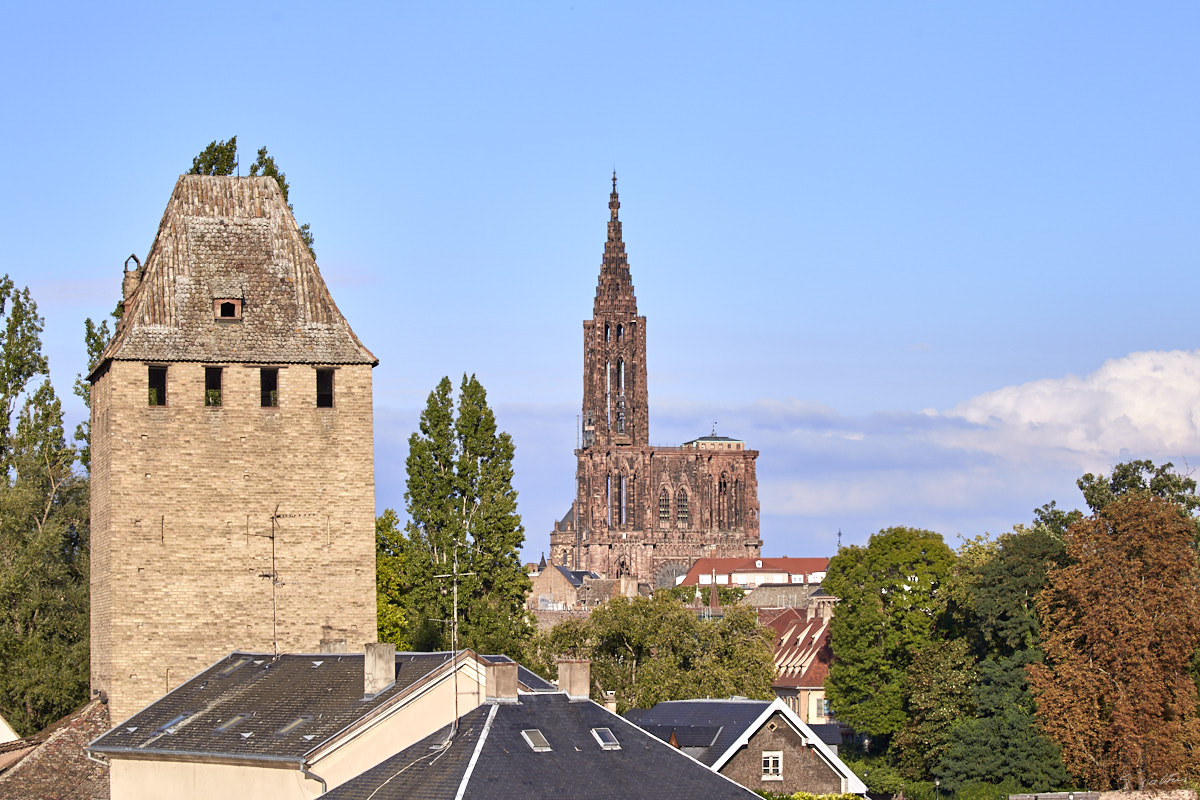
(614, 292)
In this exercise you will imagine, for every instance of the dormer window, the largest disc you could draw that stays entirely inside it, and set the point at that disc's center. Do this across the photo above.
(227, 308)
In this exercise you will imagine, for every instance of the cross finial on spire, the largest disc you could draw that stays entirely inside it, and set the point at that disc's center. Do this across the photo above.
(613, 202)
(614, 179)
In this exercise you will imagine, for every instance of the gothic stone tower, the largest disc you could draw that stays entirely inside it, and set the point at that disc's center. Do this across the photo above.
(233, 499)
(644, 511)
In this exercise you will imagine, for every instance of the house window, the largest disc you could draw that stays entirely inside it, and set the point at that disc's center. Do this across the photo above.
(158, 386)
(212, 386)
(268, 382)
(227, 308)
(826, 711)
(681, 507)
(772, 765)
(324, 388)
(664, 506)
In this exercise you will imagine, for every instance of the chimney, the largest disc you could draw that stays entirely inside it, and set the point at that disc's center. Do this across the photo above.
(132, 278)
(502, 681)
(379, 668)
(610, 701)
(333, 646)
(575, 677)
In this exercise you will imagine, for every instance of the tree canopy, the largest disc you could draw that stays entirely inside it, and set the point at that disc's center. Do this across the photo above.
(43, 534)
(1120, 625)
(462, 520)
(648, 651)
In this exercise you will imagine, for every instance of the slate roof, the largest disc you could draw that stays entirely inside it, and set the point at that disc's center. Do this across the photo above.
(54, 763)
(325, 690)
(802, 650)
(527, 680)
(576, 576)
(492, 758)
(693, 720)
(223, 237)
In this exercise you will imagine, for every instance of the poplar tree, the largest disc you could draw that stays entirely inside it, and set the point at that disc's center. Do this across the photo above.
(462, 507)
(43, 533)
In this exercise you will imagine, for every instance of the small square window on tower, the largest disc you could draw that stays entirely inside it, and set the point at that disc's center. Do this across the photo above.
(158, 386)
(227, 308)
(324, 388)
(212, 386)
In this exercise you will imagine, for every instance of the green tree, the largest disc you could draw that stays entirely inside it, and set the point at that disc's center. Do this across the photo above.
(1120, 624)
(219, 158)
(43, 534)
(892, 594)
(462, 509)
(937, 691)
(389, 580)
(95, 339)
(648, 651)
(1002, 743)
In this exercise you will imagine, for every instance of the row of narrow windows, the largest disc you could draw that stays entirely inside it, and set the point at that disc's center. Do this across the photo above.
(608, 332)
(268, 382)
(681, 507)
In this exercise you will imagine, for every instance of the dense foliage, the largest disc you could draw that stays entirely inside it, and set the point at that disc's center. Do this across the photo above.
(648, 651)
(43, 533)
(462, 521)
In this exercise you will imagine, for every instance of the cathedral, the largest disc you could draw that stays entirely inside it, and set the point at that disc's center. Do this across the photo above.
(643, 511)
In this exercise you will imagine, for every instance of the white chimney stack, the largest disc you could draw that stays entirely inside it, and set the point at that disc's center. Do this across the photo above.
(379, 668)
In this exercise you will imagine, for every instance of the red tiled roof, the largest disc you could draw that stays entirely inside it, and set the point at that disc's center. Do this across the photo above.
(802, 651)
(728, 566)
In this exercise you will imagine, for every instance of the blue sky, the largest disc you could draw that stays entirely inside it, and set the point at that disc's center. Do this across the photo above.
(933, 261)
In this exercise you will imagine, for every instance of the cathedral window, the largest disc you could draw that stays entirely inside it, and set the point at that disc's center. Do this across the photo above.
(621, 375)
(607, 333)
(664, 506)
(620, 333)
(212, 386)
(268, 382)
(620, 422)
(158, 386)
(681, 507)
(621, 501)
(324, 388)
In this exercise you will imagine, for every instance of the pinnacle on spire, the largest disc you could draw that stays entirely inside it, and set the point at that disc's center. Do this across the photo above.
(613, 202)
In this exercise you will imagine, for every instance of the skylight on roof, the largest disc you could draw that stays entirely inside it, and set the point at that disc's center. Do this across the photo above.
(174, 722)
(291, 726)
(225, 673)
(229, 723)
(606, 738)
(536, 741)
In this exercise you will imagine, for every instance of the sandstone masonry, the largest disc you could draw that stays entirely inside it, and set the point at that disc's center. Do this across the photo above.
(232, 456)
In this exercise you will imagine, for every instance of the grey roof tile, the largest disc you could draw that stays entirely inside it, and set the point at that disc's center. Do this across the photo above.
(691, 719)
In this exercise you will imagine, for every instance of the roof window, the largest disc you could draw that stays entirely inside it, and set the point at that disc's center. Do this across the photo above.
(294, 724)
(230, 723)
(171, 725)
(225, 673)
(227, 308)
(606, 739)
(536, 741)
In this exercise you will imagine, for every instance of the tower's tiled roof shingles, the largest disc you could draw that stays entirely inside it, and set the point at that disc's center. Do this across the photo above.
(232, 238)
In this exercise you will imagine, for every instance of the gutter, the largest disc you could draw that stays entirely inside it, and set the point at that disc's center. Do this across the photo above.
(304, 770)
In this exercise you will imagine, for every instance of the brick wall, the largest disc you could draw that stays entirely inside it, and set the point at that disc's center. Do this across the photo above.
(183, 543)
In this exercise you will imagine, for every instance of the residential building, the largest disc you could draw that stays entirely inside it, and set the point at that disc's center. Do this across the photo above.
(288, 727)
(752, 572)
(643, 511)
(232, 472)
(544, 746)
(762, 745)
(802, 659)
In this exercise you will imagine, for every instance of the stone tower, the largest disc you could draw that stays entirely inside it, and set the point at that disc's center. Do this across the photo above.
(641, 511)
(233, 499)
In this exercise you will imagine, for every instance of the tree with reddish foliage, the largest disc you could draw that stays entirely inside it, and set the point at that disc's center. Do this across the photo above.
(1120, 622)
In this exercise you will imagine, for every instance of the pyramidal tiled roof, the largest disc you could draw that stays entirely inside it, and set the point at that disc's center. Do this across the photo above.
(225, 237)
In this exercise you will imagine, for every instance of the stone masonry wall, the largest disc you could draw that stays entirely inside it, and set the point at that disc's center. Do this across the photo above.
(182, 506)
(803, 770)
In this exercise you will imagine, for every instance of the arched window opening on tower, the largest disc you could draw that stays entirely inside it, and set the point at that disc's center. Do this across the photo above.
(621, 501)
(736, 503)
(681, 507)
(620, 375)
(664, 507)
(620, 333)
(723, 503)
(607, 333)
(620, 422)
(608, 394)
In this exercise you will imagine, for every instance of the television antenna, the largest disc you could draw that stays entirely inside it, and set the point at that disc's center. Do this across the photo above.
(454, 574)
